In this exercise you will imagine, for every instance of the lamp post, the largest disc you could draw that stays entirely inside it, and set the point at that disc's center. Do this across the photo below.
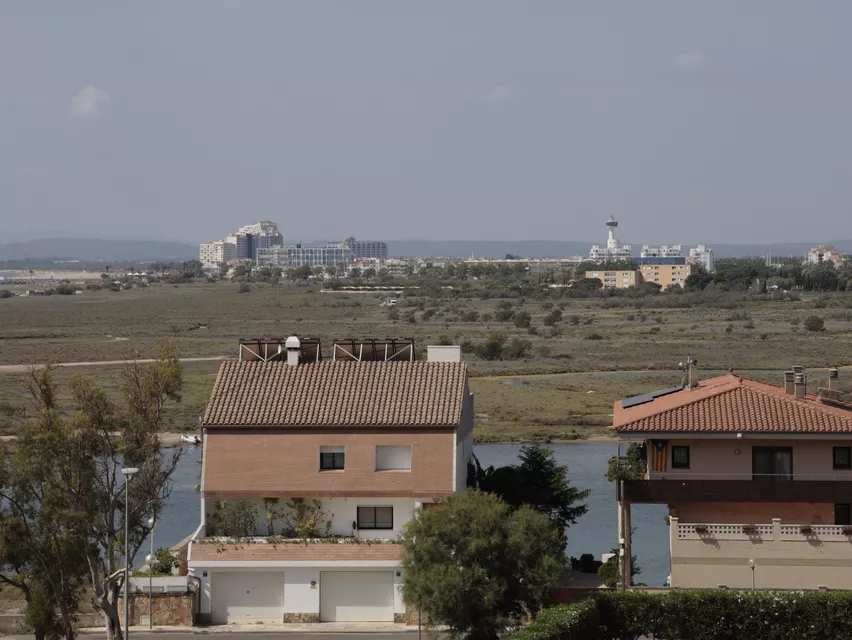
(150, 560)
(128, 473)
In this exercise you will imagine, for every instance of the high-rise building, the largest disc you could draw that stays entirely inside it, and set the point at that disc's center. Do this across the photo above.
(365, 248)
(703, 256)
(613, 250)
(215, 254)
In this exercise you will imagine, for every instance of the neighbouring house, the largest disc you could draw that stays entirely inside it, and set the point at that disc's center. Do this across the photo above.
(757, 479)
(825, 253)
(310, 471)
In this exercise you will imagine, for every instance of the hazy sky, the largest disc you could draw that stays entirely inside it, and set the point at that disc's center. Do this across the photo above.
(722, 121)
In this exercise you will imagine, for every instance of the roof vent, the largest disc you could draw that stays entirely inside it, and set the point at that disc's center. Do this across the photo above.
(294, 349)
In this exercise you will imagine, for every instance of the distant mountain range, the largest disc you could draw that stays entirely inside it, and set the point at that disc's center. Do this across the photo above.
(92, 249)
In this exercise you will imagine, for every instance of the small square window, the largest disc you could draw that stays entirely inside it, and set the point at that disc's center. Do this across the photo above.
(843, 457)
(332, 458)
(680, 457)
(375, 517)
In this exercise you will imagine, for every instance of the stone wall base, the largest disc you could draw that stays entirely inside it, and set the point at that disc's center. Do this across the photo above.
(301, 618)
(172, 609)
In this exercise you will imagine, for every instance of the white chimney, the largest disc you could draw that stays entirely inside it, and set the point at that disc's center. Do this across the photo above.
(800, 386)
(294, 350)
(443, 353)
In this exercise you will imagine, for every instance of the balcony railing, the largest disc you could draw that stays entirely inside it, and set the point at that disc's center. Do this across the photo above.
(762, 556)
(775, 532)
(267, 549)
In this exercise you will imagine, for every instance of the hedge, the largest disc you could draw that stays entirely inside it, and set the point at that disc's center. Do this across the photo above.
(697, 615)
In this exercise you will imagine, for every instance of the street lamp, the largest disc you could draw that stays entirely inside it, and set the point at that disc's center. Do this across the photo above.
(128, 476)
(150, 561)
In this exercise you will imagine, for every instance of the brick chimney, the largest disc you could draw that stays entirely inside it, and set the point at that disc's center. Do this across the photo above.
(788, 382)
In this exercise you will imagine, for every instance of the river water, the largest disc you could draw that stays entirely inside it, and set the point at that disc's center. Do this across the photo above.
(594, 533)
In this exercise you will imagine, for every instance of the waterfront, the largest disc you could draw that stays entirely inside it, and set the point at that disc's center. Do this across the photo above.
(594, 533)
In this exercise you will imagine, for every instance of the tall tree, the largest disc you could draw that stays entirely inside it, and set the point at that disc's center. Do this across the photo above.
(73, 466)
(539, 481)
(476, 566)
(42, 520)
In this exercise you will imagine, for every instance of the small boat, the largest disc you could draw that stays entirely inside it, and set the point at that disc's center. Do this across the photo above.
(190, 439)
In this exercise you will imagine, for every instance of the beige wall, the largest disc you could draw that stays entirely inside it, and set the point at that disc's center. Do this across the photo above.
(285, 464)
(793, 561)
(615, 279)
(718, 459)
(666, 274)
(752, 512)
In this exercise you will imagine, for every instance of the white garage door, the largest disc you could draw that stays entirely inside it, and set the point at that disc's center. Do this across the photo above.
(250, 596)
(356, 596)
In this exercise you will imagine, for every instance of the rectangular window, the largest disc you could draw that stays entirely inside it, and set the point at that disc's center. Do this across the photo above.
(332, 458)
(774, 464)
(843, 457)
(392, 458)
(375, 517)
(680, 457)
(843, 513)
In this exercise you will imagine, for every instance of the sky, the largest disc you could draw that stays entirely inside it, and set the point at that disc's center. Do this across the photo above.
(721, 121)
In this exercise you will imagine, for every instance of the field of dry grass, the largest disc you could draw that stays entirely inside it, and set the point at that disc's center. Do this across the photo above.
(207, 319)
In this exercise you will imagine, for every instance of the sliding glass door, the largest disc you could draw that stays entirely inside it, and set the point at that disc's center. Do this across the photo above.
(774, 464)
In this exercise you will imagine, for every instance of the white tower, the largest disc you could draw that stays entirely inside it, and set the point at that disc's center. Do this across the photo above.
(612, 241)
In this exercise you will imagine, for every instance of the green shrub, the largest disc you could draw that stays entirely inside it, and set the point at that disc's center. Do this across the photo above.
(814, 323)
(5, 293)
(709, 614)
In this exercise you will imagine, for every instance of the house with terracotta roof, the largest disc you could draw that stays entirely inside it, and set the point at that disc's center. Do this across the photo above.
(310, 471)
(757, 479)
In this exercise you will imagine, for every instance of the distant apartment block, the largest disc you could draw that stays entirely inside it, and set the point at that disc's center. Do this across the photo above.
(663, 251)
(364, 248)
(213, 255)
(295, 256)
(825, 253)
(702, 256)
(667, 274)
(617, 279)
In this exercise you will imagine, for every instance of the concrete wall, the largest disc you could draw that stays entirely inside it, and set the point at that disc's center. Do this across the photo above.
(464, 442)
(783, 558)
(342, 512)
(753, 512)
(731, 458)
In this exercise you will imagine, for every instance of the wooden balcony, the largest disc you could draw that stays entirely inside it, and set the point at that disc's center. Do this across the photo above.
(673, 491)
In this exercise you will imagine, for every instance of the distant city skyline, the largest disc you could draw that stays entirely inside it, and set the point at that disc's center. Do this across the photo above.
(486, 120)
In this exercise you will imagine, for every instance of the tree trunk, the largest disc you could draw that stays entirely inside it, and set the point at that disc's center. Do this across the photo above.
(109, 611)
(39, 634)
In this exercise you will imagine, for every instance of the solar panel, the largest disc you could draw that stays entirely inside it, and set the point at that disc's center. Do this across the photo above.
(665, 392)
(647, 397)
(636, 400)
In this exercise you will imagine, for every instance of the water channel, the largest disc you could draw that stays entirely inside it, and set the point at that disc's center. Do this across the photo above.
(595, 532)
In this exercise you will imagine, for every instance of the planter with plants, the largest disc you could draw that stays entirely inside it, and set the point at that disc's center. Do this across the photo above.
(806, 529)
(750, 529)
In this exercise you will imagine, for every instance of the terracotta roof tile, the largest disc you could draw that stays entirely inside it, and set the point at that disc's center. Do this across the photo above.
(733, 403)
(337, 394)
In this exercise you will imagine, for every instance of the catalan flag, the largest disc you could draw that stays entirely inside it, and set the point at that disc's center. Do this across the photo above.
(659, 455)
